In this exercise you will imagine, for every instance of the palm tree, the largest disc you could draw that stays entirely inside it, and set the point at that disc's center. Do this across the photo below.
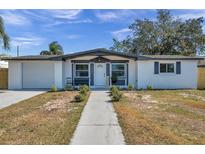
(4, 38)
(54, 49)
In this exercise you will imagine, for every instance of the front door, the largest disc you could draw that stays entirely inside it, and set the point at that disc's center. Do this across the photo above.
(100, 76)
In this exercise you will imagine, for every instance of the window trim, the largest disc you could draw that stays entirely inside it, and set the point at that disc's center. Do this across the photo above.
(123, 77)
(82, 70)
(119, 70)
(167, 68)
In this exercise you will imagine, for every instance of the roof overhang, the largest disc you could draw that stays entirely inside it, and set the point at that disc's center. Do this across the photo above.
(99, 53)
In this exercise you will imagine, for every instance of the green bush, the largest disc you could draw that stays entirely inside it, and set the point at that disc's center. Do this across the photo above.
(130, 87)
(149, 87)
(53, 88)
(68, 88)
(113, 89)
(84, 89)
(116, 94)
(79, 98)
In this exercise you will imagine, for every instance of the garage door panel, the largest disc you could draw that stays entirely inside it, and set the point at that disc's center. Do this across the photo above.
(38, 74)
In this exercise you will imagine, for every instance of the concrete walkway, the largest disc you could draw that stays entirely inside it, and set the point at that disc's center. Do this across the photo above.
(98, 123)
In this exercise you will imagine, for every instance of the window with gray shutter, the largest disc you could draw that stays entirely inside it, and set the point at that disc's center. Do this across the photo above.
(156, 67)
(178, 67)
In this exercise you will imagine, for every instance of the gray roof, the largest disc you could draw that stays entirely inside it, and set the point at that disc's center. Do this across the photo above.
(33, 57)
(99, 52)
(103, 52)
(169, 57)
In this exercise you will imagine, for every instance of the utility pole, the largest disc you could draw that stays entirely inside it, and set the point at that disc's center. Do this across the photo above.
(17, 51)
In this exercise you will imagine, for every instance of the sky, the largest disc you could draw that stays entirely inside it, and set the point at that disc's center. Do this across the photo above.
(76, 30)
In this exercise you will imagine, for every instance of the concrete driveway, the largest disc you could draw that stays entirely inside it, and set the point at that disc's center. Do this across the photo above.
(9, 97)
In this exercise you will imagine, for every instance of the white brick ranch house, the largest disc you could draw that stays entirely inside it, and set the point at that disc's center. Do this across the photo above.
(102, 68)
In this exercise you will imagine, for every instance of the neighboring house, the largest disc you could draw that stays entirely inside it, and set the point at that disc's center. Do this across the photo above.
(3, 64)
(101, 68)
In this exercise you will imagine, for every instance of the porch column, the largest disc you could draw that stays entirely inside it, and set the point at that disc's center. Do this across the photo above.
(58, 74)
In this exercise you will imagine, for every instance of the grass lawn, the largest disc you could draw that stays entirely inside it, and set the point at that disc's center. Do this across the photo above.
(162, 117)
(49, 118)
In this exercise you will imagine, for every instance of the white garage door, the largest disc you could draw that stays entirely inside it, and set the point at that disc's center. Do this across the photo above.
(38, 74)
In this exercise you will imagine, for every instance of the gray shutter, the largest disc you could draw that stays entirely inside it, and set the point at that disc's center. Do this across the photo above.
(92, 74)
(178, 67)
(156, 67)
(73, 74)
(108, 71)
(127, 74)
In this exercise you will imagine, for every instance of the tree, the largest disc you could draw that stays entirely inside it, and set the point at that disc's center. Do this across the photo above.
(4, 38)
(166, 35)
(54, 49)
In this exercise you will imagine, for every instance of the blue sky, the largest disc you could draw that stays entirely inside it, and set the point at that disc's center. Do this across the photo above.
(75, 30)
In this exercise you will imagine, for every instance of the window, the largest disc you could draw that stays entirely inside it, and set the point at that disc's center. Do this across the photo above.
(118, 70)
(81, 70)
(118, 74)
(166, 68)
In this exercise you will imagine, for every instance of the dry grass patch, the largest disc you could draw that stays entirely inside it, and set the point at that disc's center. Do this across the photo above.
(162, 117)
(49, 118)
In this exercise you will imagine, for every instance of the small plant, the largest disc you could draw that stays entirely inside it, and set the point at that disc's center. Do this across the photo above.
(130, 87)
(68, 88)
(116, 94)
(113, 89)
(53, 88)
(149, 87)
(79, 98)
(84, 89)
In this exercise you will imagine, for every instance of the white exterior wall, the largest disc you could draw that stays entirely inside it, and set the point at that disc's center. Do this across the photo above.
(67, 70)
(187, 78)
(132, 72)
(15, 75)
(35, 74)
(58, 74)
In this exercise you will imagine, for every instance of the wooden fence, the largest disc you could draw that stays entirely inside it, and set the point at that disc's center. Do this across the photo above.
(3, 78)
(201, 77)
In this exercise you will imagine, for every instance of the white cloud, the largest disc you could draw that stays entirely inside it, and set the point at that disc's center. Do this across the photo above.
(113, 15)
(65, 14)
(72, 37)
(121, 34)
(107, 16)
(27, 40)
(57, 23)
(13, 18)
(79, 21)
(192, 14)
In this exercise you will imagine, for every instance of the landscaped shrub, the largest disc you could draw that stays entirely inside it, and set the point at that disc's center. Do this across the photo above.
(116, 94)
(130, 87)
(149, 87)
(84, 89)
(113, 89)
(68, 88)
(79, 98)
(53, 88)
